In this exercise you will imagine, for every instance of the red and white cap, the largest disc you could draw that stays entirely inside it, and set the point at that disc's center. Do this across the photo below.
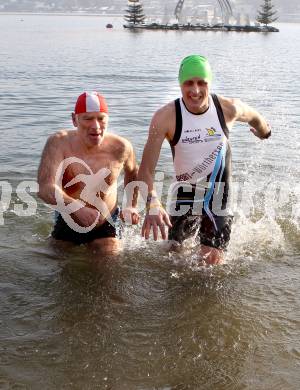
(90, 102)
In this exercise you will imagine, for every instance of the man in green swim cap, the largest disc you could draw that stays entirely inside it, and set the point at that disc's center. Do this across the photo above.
(194, 66)
(197, 126)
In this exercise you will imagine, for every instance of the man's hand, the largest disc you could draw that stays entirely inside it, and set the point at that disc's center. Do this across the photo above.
(86, 216)
(156, 218)
(130, 215)
(258, 134)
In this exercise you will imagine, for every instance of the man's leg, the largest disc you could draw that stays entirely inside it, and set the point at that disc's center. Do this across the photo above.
(214, 241)
(183, 227)
(211, 255)
(106, 246)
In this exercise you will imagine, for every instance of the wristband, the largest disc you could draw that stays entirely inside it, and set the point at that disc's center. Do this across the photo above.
(150, 197)
(153, 206)
(152, 202)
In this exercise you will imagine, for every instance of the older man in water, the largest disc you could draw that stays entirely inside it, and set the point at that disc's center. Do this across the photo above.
(197, 126)
(78, 176)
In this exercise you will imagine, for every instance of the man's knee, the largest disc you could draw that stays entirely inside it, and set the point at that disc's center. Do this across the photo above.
(109, 245)
(211, 255)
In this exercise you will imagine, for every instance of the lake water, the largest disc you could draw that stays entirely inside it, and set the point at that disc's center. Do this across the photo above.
(148, 319)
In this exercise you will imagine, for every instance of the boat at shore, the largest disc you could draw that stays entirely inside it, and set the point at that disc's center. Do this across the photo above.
(201, 27)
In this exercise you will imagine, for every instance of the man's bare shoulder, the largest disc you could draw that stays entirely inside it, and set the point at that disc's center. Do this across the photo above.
(61, 137)
(120, 144)
(165, 113)
(164, 121)
(59, 144)
(118, 140)
(230, 107)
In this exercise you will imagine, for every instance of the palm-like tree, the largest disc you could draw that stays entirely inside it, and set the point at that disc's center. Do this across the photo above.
(134, 12)
(267, 13)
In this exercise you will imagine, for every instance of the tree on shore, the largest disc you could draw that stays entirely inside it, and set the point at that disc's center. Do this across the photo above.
(267, 14)
(134, 12)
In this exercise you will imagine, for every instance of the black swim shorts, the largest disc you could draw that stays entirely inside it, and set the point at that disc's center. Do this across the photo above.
(189, 225)
(63, 232)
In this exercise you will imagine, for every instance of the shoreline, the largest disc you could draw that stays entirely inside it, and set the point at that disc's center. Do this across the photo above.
(202, 27)
(98, 14)
(58, 14)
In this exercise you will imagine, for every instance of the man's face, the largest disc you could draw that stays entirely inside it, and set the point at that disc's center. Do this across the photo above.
(91, 127)
(195, 93)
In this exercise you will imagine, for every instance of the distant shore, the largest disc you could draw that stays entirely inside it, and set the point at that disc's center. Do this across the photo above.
(99, 14)
(60, 14)
(202, 27)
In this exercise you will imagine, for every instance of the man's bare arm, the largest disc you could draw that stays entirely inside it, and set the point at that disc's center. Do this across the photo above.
(236, 110)
(52, 156)
(51, 159)
(156, 217)
(158, 131)
(131, 174)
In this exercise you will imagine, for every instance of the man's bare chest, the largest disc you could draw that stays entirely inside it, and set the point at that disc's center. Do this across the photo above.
(96, 167)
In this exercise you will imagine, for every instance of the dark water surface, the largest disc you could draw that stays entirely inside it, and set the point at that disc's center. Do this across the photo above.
(148, 319)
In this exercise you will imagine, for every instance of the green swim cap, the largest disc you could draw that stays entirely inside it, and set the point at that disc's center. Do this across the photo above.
(194, 66)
